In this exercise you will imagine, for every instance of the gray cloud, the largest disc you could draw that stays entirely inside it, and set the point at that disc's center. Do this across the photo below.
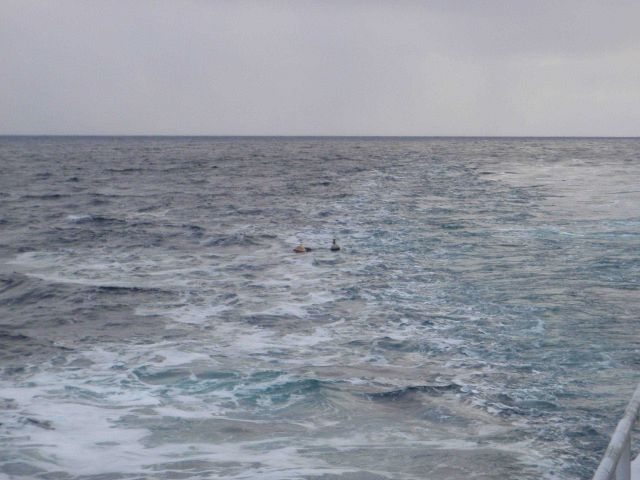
(303, 67)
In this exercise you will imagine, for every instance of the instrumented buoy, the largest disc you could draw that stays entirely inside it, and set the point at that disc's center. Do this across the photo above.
(334, 246)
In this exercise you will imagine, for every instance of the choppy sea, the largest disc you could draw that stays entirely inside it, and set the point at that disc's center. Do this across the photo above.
(480, 322)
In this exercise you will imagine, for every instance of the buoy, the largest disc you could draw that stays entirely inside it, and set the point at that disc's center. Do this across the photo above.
(334, 246)
(300, 249)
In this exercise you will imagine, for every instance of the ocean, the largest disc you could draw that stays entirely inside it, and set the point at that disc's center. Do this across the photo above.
(480, 321)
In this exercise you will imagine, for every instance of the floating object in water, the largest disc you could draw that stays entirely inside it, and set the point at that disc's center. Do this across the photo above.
(300, 249)
(334, 246)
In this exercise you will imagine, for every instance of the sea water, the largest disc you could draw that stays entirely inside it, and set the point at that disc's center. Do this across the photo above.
(480, 321)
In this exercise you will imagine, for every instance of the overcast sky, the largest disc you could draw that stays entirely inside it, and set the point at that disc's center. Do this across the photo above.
(320, 67)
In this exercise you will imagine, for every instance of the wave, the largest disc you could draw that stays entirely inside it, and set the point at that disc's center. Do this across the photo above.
(95, 219)
(434, 390)
(276, 387)
(124, 170)
(44, 196)
(236, 240)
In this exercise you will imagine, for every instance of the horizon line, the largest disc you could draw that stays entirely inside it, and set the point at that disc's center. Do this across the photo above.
(147, 135)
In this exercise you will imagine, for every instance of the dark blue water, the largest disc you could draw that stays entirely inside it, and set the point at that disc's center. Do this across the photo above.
(480, 320)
